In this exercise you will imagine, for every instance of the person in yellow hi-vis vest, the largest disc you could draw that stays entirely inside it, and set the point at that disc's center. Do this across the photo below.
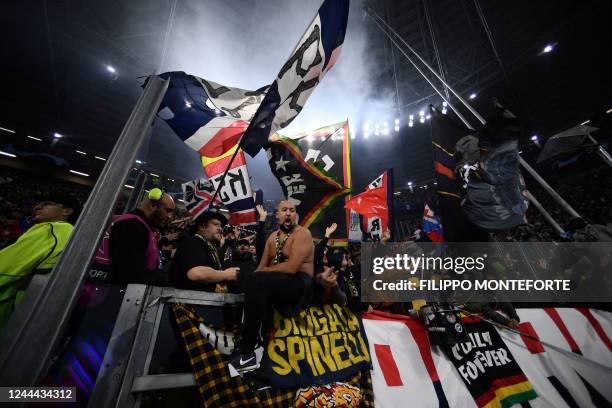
(37, 250)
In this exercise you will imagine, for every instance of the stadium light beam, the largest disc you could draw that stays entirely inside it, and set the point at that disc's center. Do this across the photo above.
(34, 138)
(81, 152)
(100, 158)
(7, 154)
(7, 130)
(80, 173)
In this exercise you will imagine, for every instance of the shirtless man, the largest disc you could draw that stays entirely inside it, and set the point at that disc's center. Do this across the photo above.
(284, 272)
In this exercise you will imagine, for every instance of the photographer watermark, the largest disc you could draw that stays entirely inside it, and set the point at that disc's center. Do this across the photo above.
(461, 272)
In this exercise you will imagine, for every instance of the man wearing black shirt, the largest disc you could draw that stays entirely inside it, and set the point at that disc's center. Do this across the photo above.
(197, 264)
(130, 241)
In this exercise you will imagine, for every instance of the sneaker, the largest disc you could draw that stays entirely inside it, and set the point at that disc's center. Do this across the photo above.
(244, 363)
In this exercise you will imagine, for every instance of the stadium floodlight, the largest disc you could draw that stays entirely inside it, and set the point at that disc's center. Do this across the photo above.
(397, 121)
(377, 132)
(34, 138)
(410, 124)
(411, 117)
(57, 135)
(366, 135)
(444, 111)
(7, 130)
(188, 104)
(397, 128)
(473, 96)
(548, 48)
(422, 119)
(81, 152)
(366, 126)
(428, 117)
(7, 154)
(80, 173)
(138, 162)
(386, 124)
(421, 113)
(444, 104)
(410, 184)
(385, 131)
(534, 138)
(111, 69)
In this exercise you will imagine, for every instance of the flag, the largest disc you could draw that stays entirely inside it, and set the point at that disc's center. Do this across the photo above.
(329, 149)
(445, 133)
(371, 203)
(197, 195)
(375, 205)
(431, 225)
(311, 189)
(315, 54)
(236, 193)
(209, 117)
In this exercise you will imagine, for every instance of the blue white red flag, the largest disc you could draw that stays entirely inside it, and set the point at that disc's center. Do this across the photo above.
(211, 118)
(431, 225)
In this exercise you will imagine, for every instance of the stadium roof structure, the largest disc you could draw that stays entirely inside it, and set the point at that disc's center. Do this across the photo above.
(76, 66)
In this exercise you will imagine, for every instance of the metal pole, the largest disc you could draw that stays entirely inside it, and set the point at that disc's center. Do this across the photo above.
(459, 115)
(544, 213)
(38, 322)
(601, 151)
(549, 189)
(137, 191)
(467, 105)
(536, 176)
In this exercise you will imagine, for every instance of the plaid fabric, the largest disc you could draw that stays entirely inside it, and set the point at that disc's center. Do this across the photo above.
(218, 389)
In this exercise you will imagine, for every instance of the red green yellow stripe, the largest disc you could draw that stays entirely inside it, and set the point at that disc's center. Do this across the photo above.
(507, 391)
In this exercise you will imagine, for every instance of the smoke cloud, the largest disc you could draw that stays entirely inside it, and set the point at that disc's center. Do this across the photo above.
(245, 44)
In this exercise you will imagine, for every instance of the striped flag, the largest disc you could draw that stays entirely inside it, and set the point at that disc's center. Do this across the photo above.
(197, 195)
(431, 225)
(211, 118)
(236, 193)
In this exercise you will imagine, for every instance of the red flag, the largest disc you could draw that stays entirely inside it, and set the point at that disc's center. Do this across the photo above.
(371, 203)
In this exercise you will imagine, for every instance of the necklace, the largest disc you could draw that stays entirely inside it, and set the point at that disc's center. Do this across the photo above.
(212, 250)
(279, 247)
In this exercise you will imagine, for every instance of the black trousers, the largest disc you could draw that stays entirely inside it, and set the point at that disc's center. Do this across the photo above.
(264, 290)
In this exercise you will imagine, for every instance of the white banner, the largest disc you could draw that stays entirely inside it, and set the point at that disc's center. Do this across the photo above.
(572, 368)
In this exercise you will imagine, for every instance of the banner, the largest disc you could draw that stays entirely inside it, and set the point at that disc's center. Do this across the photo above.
(329, 149)
(321, 345)
(236, 193)
(488, 369)
(311, 189)
(571, 368)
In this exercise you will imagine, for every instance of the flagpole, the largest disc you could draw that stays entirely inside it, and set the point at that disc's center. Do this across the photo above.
(564, 204)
